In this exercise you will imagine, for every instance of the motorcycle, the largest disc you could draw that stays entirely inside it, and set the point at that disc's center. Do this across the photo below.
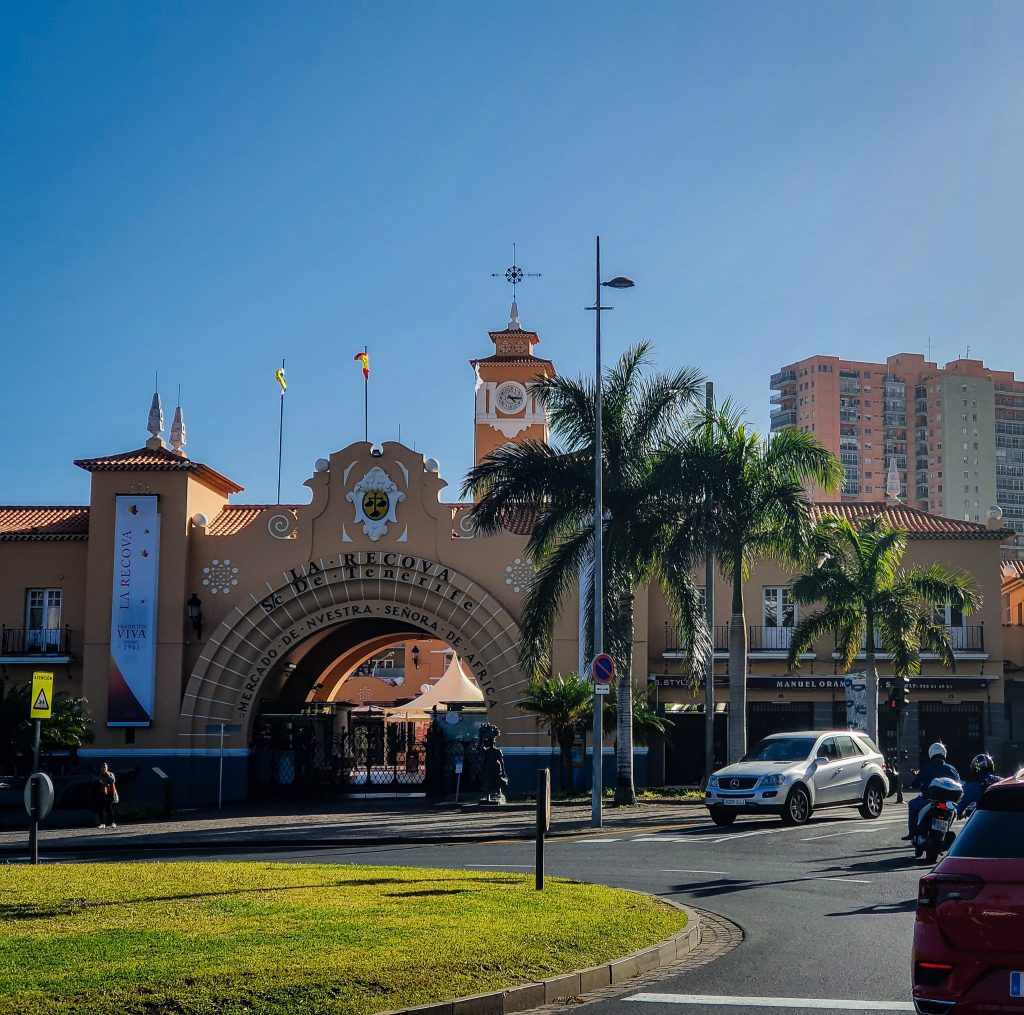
(934, 834)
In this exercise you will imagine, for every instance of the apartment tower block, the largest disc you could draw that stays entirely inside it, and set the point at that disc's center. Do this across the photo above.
(955, 433)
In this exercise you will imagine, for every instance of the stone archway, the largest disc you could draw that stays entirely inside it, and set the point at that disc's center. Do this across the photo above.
(224, 686)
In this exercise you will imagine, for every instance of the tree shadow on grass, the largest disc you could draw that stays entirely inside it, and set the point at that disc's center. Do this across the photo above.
(70, 907)
(428, 891)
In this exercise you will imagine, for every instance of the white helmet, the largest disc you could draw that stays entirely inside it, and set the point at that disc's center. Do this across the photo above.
(937, 750)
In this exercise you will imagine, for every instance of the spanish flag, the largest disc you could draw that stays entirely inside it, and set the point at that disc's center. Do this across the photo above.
(279, 374)
(364, 358)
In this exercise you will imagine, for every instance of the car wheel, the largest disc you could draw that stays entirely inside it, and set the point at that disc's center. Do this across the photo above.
(874, 800)
(797, 808)
(720, 816)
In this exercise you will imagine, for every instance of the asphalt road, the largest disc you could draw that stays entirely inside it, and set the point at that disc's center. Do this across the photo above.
(827, 910)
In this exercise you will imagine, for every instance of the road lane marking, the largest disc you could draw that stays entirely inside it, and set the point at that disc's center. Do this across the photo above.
(853, 831)
(527, 866)
(683, 870)
(828, 1004)
(599, 838)
(852, 881)
(692, 840)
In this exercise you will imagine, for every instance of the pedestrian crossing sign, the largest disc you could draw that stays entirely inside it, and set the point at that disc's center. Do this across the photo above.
(42, 695)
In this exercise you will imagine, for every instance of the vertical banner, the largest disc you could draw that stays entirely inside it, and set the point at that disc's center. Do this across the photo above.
(130, 691)
(856, 701)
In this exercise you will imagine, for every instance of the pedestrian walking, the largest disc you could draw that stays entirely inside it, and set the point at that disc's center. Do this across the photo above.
(105, 792)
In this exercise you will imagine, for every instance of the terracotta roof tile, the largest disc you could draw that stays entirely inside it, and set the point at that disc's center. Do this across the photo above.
(158, 460)
(917, 524)
(236, 517)
(518, 333)
(515, 361)
(520, 520)
(22, 523)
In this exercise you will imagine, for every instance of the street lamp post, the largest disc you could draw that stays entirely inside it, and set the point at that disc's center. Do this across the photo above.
(597, 777)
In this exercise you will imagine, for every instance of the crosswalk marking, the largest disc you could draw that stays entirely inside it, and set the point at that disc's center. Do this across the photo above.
(828, 1004)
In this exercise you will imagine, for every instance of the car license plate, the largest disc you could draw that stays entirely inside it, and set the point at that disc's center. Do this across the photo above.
(732, 802)
(1017, 984)
(940, 826)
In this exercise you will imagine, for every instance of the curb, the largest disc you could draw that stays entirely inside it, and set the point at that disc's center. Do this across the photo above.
(117, 844)
(568, 986)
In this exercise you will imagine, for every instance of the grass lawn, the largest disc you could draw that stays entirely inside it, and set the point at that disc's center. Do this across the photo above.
(191, 938)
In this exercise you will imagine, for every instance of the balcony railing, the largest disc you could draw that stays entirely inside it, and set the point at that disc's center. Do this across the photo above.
(19, 641)
(778, 639)
(782, 377)
(769, 639)
(675, 642)
(782, 419)
(963, 639)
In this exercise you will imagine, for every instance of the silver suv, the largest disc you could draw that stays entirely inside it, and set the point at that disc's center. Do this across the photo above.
(793, 774)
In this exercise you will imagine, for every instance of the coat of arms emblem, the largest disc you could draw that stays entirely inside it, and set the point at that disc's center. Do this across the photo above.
(375, 498)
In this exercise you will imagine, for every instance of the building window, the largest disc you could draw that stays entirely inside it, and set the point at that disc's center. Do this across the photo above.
(779, 616)
(42, 617)
(779, 608)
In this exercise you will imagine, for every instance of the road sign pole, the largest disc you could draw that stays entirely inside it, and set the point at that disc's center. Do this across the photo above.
(33, 834)
(35, 747)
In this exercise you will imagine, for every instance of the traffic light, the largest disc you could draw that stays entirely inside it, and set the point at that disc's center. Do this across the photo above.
(899, 695)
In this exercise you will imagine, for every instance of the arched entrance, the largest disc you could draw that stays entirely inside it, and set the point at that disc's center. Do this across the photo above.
(371, 591)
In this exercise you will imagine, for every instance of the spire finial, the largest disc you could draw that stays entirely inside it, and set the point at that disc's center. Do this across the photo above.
(892, 483)
(178, 436)
(514, 275)
(156, 423)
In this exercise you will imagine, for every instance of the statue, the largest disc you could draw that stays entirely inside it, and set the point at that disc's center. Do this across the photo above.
(494, 780)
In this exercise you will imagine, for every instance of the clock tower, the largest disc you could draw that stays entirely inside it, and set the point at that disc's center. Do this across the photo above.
(505, 409)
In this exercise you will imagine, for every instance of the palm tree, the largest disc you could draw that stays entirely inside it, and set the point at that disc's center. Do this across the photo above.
(641, 416)
(646, 719)
(870, 602)
(751, 504)
(561, 705)
(69, 726)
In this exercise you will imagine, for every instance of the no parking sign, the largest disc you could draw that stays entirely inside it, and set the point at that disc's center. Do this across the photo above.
(602, 669)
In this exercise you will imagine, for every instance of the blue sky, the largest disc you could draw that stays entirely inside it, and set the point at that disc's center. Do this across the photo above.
(200, 188)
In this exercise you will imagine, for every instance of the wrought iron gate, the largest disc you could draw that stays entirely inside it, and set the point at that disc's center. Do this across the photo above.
(311, 755)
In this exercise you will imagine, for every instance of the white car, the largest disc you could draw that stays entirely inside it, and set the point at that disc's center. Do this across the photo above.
(793, 774)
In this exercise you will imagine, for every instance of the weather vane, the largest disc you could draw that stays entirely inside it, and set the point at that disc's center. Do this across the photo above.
(515, 274)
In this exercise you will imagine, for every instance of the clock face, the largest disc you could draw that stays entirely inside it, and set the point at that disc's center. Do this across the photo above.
(510, 396)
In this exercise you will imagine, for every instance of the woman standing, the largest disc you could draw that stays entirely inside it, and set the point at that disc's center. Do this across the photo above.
(105, 789)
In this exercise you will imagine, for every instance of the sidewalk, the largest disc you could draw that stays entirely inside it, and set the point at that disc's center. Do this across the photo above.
(304, 824)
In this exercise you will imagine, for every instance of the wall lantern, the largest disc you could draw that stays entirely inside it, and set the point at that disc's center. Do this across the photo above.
(416, 657)
(195, 614)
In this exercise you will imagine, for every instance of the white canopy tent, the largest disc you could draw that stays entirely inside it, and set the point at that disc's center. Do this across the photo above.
(456, 686)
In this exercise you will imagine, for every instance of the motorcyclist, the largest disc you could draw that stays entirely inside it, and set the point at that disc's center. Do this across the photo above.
(983, 775)
(935, 768)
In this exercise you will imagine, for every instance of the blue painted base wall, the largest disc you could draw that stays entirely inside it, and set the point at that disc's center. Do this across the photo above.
(194, 779)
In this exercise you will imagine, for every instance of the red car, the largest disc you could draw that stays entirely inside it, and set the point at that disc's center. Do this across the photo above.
(969, 935)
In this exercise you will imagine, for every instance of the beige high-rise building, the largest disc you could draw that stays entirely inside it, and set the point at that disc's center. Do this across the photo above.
(955, 433)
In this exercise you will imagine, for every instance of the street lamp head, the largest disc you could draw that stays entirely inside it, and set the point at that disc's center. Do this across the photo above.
(619, 282)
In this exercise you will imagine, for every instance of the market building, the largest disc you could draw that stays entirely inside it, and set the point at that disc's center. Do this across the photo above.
(274, 644)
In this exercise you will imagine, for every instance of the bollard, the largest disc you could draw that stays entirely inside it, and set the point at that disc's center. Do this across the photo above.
(543, 822)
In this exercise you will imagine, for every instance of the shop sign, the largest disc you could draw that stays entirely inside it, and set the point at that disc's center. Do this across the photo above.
(796, 683)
